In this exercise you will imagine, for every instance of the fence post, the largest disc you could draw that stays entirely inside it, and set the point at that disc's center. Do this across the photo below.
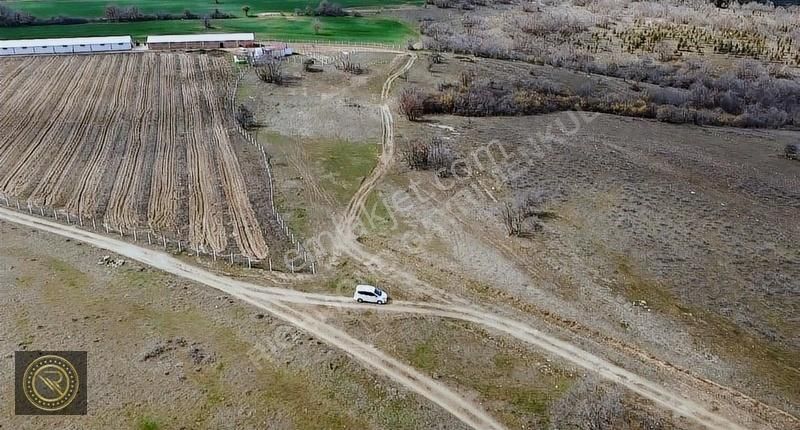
(249, 263)
(55, 214)
(94, 227)
(42, 209)
(292, 264)
(80, 219)
(134, 235)
(179, 247)
(30, 211)
(270, 264)
(67, 216)
(106, 228)
(214, 254)
(121, 234)
(18, 205)
(231, 257)
(163, 238)
(149, 242)
(313, 270)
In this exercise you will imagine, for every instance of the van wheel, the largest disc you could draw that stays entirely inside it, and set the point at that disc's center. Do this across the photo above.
(360, 301)
(380, 302)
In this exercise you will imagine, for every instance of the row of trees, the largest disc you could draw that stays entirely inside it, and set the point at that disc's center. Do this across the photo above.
(12, 18)
(132, 13)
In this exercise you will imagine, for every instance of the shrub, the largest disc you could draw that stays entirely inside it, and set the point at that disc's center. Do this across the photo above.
(411, 104)
(270, 71)
(11, 18)
(245, 118)
(346, 64)
(792, 151)
(429, 155)
(325, 8)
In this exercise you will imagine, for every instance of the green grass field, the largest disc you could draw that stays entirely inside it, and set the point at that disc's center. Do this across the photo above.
(95, 8)
(283, 28)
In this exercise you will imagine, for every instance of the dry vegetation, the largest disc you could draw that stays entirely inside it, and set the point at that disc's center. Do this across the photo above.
(134, 141)
(735, 66)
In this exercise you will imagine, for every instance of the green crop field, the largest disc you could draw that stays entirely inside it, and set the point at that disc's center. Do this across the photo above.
(95, 8)
(366, 29)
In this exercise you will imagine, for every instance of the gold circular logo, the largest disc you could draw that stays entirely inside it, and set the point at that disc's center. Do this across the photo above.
(50, 383)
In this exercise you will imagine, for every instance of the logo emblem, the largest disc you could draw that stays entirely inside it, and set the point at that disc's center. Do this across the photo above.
(50, 383)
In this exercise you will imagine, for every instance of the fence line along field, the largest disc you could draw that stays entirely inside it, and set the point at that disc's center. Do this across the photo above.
(134, 141)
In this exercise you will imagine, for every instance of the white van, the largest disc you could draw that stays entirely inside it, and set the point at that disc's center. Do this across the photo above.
(370, 294)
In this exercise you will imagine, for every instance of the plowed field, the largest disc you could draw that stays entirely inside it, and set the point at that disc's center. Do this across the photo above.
(140, 141)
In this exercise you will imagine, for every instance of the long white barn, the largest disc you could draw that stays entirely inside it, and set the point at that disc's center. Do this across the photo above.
(65, 45)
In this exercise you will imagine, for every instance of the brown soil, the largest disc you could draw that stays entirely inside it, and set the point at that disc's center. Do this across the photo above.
(140, 141)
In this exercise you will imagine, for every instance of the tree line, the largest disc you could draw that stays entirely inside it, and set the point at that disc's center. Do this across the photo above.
(13, 18)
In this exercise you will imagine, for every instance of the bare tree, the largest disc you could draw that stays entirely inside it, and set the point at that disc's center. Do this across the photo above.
(411, 104)
(270, 71)
(589, 405)
(246, 10)
(346, 64)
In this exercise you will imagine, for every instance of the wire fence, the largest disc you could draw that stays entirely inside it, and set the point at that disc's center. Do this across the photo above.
(152, 238)
(302, 259)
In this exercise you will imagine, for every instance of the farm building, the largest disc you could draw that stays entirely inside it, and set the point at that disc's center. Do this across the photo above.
(262, 52)
(73, 45)
(200, 41)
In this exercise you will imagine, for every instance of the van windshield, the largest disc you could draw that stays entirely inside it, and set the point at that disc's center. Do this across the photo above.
(378, 292)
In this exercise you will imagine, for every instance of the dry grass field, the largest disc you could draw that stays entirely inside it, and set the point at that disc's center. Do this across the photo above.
(133, 141)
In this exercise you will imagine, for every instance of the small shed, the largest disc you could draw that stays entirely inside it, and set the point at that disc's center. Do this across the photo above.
(202, 41)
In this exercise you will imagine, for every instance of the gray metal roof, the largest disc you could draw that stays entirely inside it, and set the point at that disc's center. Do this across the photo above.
(70, 41)
(206, 37)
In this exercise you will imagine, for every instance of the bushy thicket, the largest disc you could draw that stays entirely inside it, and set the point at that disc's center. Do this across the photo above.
(432, 154)
(748, 95)
(11, 18)
(133, 14)
(745, 97)
(523, 96)
(324, 8)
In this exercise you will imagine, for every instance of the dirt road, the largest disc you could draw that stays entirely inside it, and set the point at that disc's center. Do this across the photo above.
(274, 300)
(270, 299)
(387, 154)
